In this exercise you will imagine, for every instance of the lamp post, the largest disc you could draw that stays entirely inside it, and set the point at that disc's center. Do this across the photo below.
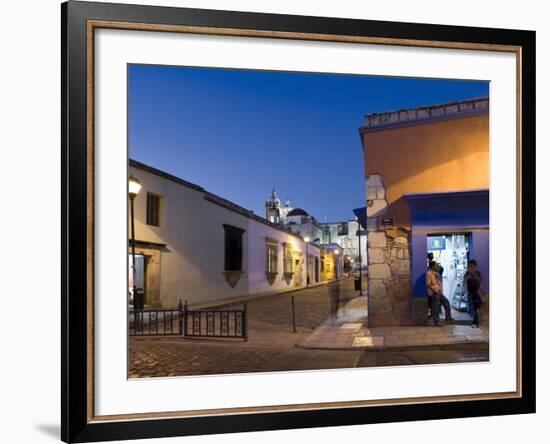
(134, 185)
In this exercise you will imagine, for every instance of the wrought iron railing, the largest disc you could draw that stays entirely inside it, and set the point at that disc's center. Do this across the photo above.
(215, 323)
(155, 322)
(181, 321)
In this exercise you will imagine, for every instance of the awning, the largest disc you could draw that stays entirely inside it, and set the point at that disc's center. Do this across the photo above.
(146, 244)
(467, 209)
(361, 214)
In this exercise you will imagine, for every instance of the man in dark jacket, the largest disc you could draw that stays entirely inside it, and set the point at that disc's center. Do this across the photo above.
(472, 283)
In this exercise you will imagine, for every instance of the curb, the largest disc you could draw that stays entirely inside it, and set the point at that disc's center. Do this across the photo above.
(480, 345)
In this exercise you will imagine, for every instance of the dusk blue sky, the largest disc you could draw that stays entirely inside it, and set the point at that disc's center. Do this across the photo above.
(240, 133)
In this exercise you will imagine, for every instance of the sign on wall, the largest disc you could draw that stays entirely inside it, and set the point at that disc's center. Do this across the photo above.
(386, 222)
(436, 243)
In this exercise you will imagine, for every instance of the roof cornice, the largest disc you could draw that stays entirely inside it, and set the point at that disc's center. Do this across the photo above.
(425, 114)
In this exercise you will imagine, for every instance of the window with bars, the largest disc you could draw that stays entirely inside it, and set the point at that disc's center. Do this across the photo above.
(233, 248)
(343, 229)
(153, 209)
(288, 259)
(272, 258)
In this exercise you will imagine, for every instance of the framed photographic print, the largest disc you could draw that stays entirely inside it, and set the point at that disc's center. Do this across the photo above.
(276, 221)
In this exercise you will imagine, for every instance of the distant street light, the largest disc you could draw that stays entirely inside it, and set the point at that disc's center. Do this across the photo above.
(134, 186)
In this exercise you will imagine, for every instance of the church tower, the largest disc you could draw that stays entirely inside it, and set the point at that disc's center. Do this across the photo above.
(273, 208)
(274, 212)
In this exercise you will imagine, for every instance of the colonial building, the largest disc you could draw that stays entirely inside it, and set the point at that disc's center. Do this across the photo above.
(332, 264)
(427, 180)
(346, 234)
(301, 222)
(193, 245)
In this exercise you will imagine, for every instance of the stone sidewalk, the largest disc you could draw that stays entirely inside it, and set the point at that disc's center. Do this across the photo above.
(348, 331)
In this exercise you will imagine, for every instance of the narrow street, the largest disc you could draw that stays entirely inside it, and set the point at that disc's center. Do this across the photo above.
(272, 344)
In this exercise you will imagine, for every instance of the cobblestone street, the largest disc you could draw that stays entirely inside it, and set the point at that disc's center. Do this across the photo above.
(272, 344)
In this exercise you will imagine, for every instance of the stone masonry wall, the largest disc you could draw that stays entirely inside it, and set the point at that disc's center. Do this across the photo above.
(389, 275)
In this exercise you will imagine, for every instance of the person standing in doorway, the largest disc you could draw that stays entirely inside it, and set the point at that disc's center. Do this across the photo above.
(429, 259)
(433, 288)
(472, 283)
(439, 274)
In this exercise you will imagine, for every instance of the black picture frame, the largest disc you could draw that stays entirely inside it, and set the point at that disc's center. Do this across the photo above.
(76, 423)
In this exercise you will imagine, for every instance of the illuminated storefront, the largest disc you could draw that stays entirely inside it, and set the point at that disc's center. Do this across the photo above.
(454, 228)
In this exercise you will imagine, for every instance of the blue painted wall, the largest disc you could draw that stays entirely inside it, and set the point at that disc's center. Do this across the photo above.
(479, 250)
(434, 211)
(418, 265)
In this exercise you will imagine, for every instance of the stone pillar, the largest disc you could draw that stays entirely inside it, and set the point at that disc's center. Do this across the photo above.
(389, 279)
(400, 285)
(376, 201)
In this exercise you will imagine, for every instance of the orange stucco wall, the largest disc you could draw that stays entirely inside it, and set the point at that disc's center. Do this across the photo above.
(437, 156)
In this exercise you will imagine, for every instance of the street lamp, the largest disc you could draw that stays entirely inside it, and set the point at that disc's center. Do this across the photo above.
(134, 185)
(306, 240)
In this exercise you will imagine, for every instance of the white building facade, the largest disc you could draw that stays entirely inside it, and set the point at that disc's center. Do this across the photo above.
(194, 246)
(345, 233)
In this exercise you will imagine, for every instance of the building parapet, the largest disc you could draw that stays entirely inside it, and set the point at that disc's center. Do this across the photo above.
(424, 114)
(163, 174)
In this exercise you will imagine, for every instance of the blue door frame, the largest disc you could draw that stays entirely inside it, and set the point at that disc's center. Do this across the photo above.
(444, 213)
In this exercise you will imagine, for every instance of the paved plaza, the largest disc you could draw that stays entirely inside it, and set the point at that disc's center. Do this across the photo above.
(319, 312)
(355, 335)
(348, 329)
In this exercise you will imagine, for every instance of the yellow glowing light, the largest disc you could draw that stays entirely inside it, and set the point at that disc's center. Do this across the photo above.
(134, 185)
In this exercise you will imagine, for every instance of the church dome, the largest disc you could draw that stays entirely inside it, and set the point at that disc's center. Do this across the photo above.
(298, 212)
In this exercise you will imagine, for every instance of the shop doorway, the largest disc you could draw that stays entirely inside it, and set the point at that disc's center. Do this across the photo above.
(310, 268)
(452, 252)
(298, 272)
(140, 276)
